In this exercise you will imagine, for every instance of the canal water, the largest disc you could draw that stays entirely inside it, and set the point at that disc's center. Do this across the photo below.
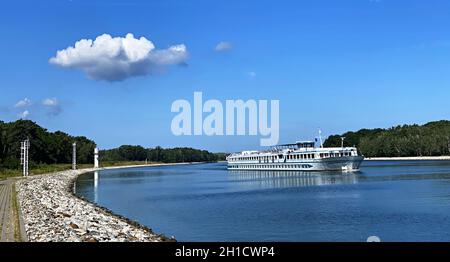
(393, 200)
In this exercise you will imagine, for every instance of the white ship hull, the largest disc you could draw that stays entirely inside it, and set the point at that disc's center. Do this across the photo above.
(350, 163)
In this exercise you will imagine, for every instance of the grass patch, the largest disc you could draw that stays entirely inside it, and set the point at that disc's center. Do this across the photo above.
(15, 212)
(38, 169)
(45, 168)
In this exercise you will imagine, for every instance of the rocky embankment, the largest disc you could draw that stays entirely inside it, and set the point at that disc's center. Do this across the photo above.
(51, 212)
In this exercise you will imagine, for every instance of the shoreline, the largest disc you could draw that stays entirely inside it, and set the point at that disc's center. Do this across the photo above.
(52, 212)
(408, 158)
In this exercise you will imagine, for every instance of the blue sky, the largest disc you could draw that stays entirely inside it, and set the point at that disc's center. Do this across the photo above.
(335, 65)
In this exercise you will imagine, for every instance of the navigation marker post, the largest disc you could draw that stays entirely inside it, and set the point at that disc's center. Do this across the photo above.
(96, 157)
(74, 156)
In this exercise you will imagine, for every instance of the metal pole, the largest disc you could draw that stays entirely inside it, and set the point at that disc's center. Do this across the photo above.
(24, 155)
(320, 138)
(27, 154)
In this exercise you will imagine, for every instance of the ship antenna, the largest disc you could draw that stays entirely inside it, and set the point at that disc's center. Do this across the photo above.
(342, 141)
(320, 138)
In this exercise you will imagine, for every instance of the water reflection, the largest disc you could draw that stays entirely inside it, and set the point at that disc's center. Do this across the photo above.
(281, 179)
(96, 186)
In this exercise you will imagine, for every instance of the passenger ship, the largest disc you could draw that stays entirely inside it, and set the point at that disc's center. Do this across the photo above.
(301, 156)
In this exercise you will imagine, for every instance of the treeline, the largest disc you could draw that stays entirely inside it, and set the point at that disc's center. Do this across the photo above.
(159, 154)
(431, 139)
(45, 147)
(56, 148)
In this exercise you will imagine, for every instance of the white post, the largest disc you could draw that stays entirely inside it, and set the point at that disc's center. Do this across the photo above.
(74, 156)
(96, 157)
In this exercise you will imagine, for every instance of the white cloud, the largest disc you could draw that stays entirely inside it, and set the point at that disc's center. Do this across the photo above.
(52, 105)
(23, 103)
(118, 58)
(50, 102)
(24, 114)
(223, 46)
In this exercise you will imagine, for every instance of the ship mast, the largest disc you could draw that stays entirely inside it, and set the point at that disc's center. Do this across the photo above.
(320, 138)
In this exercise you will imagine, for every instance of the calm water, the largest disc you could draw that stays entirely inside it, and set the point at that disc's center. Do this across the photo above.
(394, 200)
